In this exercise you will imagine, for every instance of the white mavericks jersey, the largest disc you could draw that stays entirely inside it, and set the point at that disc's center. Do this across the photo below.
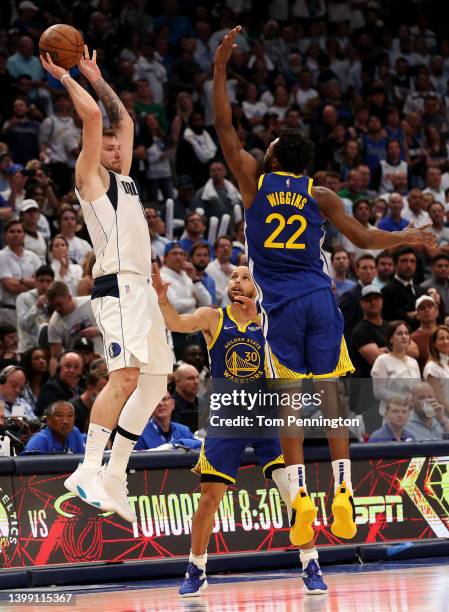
(118, 229)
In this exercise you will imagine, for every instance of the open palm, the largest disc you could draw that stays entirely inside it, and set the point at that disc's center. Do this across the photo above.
(224, 51)
(88, 67)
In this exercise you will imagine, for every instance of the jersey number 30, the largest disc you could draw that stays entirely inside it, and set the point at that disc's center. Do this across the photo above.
(291, 242)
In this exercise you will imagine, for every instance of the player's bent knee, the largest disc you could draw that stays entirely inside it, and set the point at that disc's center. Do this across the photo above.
(210, 500)
(125, 380)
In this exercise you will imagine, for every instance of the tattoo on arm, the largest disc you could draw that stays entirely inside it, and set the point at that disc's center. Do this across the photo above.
(112, 103)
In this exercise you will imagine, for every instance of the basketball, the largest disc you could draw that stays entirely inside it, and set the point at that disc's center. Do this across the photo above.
(64, 44)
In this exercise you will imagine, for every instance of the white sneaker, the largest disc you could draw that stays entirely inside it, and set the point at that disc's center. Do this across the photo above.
(117, 491)
(87, 485)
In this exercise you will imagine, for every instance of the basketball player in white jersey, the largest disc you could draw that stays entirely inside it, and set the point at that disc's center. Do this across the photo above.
(123, 299)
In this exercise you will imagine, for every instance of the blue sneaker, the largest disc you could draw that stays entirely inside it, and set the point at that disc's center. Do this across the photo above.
(194, 582)
(313, 579)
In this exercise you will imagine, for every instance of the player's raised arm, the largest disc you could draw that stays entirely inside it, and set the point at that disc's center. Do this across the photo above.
(88, 111)
(368, 238)
(204, 319)
(242, 164)
(119, 117)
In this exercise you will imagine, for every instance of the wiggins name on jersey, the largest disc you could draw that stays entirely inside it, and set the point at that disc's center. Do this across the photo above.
(236, 352)
(284, 233)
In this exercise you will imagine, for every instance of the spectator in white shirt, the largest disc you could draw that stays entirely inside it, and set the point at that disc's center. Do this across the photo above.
(221, 268)
(65, 271)
(253, 108)
(17, 269)
(433, 185)
(436, 370)
(12, 384)
(305, 91)
(436, 214)
(32, 311)
(34, 240)
(394, 374)
(281, 102)
(258, 53)
(51, 136)
(186, 291)
(414, 210)
(390, 166)
(148, 67)
(78, 248)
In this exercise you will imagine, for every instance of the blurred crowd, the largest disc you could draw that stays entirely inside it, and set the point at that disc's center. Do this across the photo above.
(366, 81)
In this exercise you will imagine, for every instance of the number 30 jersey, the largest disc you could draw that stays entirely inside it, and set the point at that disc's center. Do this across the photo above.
(284, 233)
(236, 352)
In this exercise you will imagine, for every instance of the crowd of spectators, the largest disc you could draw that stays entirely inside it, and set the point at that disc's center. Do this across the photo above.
(365, 80)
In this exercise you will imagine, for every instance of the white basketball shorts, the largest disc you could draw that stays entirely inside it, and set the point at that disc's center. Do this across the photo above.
(129, 318)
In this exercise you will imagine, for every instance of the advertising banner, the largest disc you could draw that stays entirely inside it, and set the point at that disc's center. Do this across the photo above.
(42, 524)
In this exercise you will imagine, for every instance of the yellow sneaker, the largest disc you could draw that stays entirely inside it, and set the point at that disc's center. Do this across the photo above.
(303, 514)
(344, 514)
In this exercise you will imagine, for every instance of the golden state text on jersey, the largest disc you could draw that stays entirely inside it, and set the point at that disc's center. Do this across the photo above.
(236, 352)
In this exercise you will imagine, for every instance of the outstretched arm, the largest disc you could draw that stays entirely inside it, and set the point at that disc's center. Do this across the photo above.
(88, 163)
(119, 117)
(368, 238)
(242, 164)
(204, 319)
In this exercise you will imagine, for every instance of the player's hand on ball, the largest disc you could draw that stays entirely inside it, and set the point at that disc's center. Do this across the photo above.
(88, 67)
(56, 71)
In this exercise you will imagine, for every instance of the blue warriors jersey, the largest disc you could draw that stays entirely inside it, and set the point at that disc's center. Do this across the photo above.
(284, 233)
(236, 352)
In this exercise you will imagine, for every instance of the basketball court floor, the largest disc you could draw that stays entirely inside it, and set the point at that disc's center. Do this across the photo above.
(375, 587)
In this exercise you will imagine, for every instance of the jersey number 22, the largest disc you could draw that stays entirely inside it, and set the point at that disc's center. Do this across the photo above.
(291, 242)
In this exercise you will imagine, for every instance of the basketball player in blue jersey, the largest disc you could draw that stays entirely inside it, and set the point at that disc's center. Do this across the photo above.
(123, 299)
(301, 322)
(236, 352)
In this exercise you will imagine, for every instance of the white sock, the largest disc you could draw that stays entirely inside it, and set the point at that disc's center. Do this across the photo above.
(124, 442)
(280, 478)
(307, 555)
(199, 560)
(97, 438)
(296, 477)
(342, 471)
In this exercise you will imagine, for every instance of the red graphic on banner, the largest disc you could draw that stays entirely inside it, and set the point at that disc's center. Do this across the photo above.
(42, 524)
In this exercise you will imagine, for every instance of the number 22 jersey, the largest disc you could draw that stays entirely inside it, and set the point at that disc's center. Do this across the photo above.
(284, 233)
